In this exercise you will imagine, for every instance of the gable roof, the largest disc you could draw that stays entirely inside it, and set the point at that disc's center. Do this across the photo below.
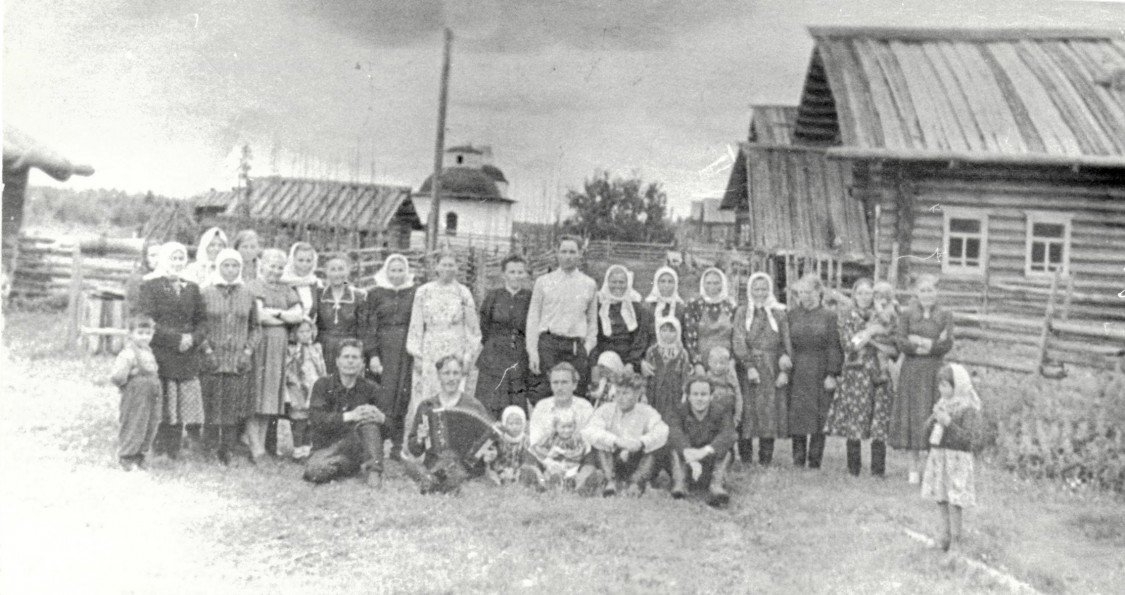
(772, 124)
(328, 204)
(796, 199)
(1005, 95)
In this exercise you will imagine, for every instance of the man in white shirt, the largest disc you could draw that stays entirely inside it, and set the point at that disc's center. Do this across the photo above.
(564, 379)
(627, 436)
(562, 323)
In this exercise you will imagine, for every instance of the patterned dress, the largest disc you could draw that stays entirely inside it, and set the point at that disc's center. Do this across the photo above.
(707, 326)
(443, 322)
(765, 413)
(862, 407)
(269, 359)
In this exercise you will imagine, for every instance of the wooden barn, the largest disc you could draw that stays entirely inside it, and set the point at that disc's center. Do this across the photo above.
(994, 158)
(330, 215)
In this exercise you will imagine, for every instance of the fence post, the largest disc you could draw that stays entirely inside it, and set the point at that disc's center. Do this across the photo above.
(1044, 339)
(1069, 295)
(74, 301)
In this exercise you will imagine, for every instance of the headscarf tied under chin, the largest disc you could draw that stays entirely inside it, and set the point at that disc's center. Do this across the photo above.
(724, 292)
(964, 395)
(672, 349)
(509, 411)
(164, 261)
(607, 299)
(290, 276)
(381, 279)
(768, 306)
(223, 256)
(655, 297)
(204, 242)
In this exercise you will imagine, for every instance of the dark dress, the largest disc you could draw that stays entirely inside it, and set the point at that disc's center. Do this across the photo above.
(816, 354)
(917, 385)
(630, 346)
(384, 335)
(503, 359)
(764, 413)
(666, 385)
(339, 319)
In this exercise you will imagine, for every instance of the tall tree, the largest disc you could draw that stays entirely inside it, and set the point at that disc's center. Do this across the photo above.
(623, 209)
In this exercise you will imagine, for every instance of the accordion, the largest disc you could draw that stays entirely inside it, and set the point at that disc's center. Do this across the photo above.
(465, 434)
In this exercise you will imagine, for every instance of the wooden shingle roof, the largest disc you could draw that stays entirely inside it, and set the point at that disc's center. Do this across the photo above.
(772, 124)
(328, 203)
(1004, 95)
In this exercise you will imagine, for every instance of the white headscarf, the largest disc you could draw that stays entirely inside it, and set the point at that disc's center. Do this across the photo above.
(290, 276)
(662, 302)
(669, 350)
(724, 293)
(964, 395)
(771, 301)
(224, 255)
(509, 411)
(205, 241)
(163, 261)
(607, 299)
(381, 279)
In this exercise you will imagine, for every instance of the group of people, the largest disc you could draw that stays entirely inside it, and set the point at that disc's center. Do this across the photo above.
(592, 388)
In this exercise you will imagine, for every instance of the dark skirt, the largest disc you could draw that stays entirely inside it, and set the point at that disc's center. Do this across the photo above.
(808, 400)
(226, 398)
(398, 369)
(917, 393)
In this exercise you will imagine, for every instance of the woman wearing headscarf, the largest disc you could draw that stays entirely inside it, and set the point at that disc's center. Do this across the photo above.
(278, 309)
(709, 318)
(624, 323)
(444, 322)
(762, 346)
(816, 362)
(231, 337)
(861, 408)
(202, 271)
(341, 310)
(384, 329)
(665, 295)
(925, 335)
(177, 308)
(300, 274)
(250, 247)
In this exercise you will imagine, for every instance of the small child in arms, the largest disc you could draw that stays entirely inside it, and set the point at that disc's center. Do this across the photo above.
(134, 371)
(948, 478)
(882, 327)
(725, 390)
(561, 453)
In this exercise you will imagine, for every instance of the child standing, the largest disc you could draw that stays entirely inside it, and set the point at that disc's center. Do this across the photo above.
(135, 372)
(948, 477)
(561, 452)
(725, 390)
(304, 364)
(666, 365)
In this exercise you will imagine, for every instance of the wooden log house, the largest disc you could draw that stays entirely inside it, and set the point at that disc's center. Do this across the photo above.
(993, 158)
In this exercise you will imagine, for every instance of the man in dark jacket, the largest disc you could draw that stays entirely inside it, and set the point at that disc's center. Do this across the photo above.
(701, 437)
(347, 435)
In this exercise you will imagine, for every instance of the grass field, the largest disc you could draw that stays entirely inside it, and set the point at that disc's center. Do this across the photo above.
(70, 521)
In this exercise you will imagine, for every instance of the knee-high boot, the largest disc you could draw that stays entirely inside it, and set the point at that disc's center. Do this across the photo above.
(800, 450)
(878, 458)
(855, 460)
(746, 450)
(718, 490)
(679, 475)
(816, 450)
(765, 451)
(607, 465)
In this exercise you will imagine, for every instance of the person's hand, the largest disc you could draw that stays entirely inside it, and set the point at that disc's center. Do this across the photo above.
(533, 363)
(943, 418)
(185, 342)
(782, 380)
(375, 365)
(629, 444)
(647, 369)
(785, 363)
(830, 383)
(752, 375)
(245, 361)
(915, 340)
(555, 452)
(424, 429)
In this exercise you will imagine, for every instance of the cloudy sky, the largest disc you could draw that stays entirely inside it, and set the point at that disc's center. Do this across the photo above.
(159, 94)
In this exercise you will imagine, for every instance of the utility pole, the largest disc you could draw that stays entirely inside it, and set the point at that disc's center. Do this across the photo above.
(439, 148)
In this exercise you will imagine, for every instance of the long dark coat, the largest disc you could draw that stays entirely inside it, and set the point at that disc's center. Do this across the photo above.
(176, 313)
(816, 355)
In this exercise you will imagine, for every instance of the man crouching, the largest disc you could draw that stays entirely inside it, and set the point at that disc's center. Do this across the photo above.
(626, 436)
(347, 437)
(701, 438)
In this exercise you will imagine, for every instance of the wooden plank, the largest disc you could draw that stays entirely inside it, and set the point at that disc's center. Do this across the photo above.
(1042, 112)
(889, 119)
(841, 84)
(1074, 115)
(960, 116)
(1045, 337)
(983, 94)
(922, 95)
(1029, 135)
(1111, 131)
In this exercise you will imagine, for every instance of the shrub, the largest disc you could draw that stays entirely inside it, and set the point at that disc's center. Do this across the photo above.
(1073, 431)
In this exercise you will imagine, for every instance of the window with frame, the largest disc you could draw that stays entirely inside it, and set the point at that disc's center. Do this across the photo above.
(966, 242)
(1048, 244)
(451, 223)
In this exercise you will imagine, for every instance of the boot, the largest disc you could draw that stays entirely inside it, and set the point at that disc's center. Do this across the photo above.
(643, 473)
(371, 437)
(816, 450)
(765, 451)
(800, 449)
(855, 460)
(718, 496)
(606, 463)
(746, 450)
(371, 476)
(878, 458)
(679, 477)
(426, 481)
(174, 440)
